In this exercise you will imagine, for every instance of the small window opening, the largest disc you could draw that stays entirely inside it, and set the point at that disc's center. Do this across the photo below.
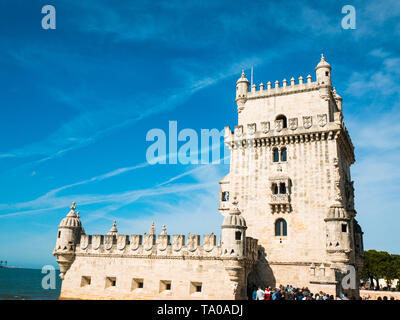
(238, 235)
(344, 227)
(282, 188)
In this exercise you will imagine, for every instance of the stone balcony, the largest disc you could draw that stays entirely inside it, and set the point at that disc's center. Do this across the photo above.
(280, 203)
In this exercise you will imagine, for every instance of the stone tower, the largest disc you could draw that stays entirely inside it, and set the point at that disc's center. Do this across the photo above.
(290, 171)
(69, 234)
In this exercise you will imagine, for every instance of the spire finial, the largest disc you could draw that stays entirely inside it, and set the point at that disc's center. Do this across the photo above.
(113, 230)
(164, 230)
(322, 57)
(77, 215)
(234, 209)
(152, 228)
(73, 207)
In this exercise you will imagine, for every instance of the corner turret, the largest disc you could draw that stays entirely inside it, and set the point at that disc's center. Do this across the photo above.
(69, 233)
(323, 72)
(242, 89)
(234, 232)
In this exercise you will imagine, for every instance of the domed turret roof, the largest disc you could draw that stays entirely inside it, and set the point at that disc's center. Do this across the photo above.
(113, 230)
(322, 64)
(71, 220)
(242, 78)
(234, 218)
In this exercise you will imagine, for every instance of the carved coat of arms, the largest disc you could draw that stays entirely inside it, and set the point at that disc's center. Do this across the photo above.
(108, 242)
(192, 243)
(265, 127)
(251, 129)
(96, 241)
(148, 242)
(278, 125)
(121, 242)
(293, 123)
(178, 242)
(307, 122)
(209, 241)
(84, 241)
(162, 242)
(239, 131)
(136, 241)
(322, 120)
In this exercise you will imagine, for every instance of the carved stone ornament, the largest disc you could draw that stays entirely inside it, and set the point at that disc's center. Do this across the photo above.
(307, 122)
(322, 119)
(121, 242)
(293, 123)
(251, 129)
(209, 241)
(162, 242)
(96, 241)
(178, 241)
(136, 241)
(192, 243)
(148, 242)
(84, 241)
(108, 242)
(278, 125)
(265, 127)
(238, 131)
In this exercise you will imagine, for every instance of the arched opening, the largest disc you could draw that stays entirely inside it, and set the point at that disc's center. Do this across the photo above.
(280, 227)
(275, 189)
(282, 117)
(276, 155)
(283, 154)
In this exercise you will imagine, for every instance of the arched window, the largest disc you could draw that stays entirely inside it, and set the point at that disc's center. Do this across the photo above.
(280, 227)
(275, 189)
(282, 117)
(276, 155)
(283, 154)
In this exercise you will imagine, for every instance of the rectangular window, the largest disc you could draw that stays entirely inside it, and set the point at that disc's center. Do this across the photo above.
(165, 285)
(225, 196)
(85, 281)
(196, 287)
(282, 188)
(344, 227)
(59, 233)
(137, 283)
(238, 235)
(111, 282)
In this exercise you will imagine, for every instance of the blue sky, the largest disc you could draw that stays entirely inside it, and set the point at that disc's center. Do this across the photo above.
(77, 102)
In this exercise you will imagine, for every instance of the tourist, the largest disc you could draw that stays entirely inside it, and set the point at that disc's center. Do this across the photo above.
(268, 293)
(260, 294)
(254, 294)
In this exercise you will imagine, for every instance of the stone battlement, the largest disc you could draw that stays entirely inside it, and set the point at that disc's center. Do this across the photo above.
(159, 246)
(284, 88)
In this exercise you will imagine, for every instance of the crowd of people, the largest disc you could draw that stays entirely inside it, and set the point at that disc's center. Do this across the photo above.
(291, 293)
